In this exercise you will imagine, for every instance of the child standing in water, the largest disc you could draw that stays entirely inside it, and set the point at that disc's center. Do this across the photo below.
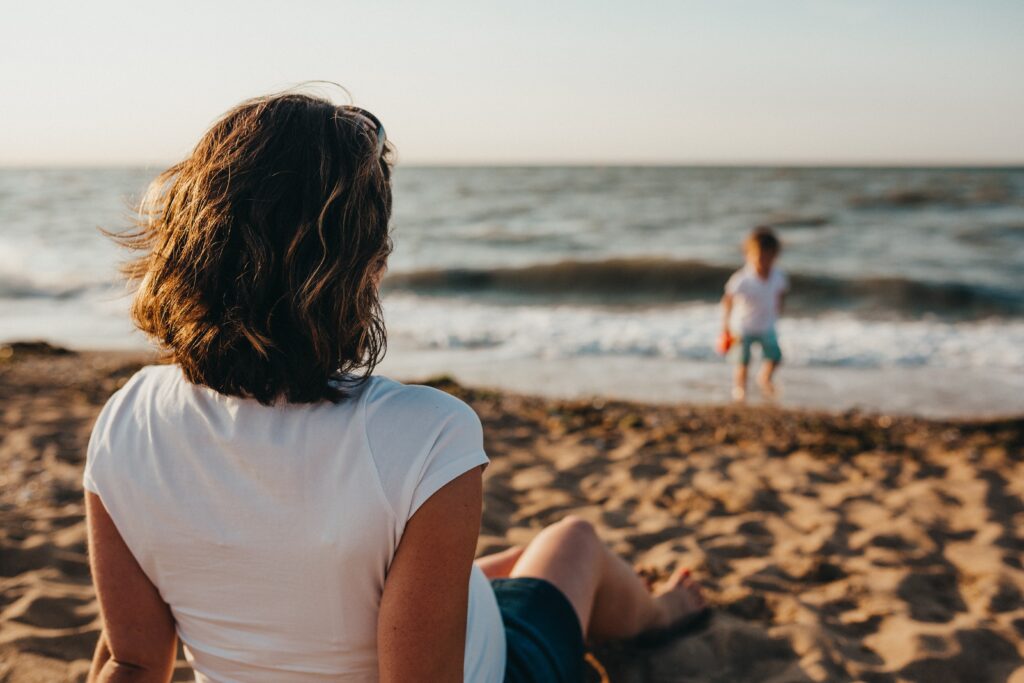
(757, 291)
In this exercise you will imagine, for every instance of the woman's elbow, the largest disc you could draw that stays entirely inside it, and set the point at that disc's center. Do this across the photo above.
(127, 671)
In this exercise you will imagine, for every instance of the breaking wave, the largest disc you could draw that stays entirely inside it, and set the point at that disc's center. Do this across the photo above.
(654, 281)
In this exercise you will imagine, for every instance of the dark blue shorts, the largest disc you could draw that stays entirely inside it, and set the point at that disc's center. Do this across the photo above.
(542, 632)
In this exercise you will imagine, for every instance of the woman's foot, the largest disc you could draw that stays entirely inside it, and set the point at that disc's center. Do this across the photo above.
(680, 600)
(739, 394)
(648, 574)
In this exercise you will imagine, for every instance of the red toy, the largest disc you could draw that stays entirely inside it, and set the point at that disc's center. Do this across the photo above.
(724, 343)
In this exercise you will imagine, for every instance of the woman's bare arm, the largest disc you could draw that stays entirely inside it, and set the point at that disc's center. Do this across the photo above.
(138, 642)
(421, 629)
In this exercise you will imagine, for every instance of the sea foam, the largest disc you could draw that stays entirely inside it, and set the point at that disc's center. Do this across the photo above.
(689, 332)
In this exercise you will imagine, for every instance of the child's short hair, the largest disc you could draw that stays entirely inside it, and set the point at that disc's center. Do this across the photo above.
(262, 250)
(763, 239)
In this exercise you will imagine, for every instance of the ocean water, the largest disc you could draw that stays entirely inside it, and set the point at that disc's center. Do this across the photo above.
(893, 271)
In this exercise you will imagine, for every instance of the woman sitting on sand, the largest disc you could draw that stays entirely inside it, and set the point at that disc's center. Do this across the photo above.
(288, 515)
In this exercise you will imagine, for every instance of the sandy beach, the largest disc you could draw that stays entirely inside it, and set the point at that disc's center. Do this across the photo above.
(834, 547)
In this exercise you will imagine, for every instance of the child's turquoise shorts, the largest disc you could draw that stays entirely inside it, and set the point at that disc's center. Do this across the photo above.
(769, 346)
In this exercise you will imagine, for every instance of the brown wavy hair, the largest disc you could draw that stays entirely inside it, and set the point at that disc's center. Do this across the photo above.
(262, 251)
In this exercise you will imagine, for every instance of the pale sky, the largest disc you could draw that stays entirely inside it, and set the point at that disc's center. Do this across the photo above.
(551, 81)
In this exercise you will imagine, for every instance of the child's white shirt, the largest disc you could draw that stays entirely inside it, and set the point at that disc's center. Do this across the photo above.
(756, 300)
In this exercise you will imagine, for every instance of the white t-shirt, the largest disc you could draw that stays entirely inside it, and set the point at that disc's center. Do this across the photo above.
(756, 301)
(269, 530)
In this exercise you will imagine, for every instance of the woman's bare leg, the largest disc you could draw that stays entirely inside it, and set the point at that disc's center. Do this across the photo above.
(499, 565)
(610, 598)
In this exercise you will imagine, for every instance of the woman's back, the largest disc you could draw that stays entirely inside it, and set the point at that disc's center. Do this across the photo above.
(269, 530)
(288, 527)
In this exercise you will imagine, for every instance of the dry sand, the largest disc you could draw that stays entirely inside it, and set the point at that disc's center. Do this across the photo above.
(834, 547)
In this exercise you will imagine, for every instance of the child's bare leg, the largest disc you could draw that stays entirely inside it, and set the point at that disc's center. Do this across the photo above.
(498, 565)
(764, 379)
(610, 598)
(739, 385)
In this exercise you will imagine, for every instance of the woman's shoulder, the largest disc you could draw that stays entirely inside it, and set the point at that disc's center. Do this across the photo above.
(133, 401)
(123, 416)
(419, 438)
(381, 387)
(398, 399)
(146, 379)
(149, 378)
(163, 388)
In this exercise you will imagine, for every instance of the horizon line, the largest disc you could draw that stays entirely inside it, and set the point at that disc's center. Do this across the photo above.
(782, 164)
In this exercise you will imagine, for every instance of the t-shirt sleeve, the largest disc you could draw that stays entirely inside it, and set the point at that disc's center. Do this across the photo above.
(782, 281)
(458, 449)
(91, 454)
(733, 285)
(420, 439)
(99, 452)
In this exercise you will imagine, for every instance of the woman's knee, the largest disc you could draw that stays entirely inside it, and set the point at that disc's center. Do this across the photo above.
(570, 542)
(575, 532)
(568, 554)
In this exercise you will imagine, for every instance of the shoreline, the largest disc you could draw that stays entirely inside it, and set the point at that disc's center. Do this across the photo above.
(926, 393)
(911, 392)
(833, 546)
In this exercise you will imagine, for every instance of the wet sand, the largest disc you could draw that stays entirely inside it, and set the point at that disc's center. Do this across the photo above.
(835, 547)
